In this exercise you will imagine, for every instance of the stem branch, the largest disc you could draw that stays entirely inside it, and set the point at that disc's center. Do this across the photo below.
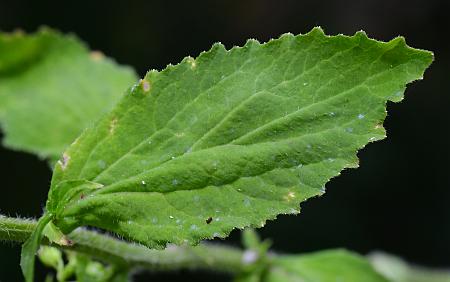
(112, 250)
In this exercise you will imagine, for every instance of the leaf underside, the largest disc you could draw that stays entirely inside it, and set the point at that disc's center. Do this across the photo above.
(52, 88)
(232, 138)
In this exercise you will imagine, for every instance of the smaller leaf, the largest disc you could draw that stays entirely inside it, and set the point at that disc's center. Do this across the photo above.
(51, 257)
(398, 270)
(254, 259)
(324, 266)
(88, 270)
(250, 239)
(49, 278)
(30, 247)
(51, 88)
(54, 235)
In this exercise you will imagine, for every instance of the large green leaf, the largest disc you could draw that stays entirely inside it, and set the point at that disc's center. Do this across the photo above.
(325, 266)
(231, 138)
(52, 88)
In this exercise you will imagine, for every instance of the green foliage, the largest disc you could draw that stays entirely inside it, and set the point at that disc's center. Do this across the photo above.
(30, 247)
(79, 266)
(325, 266)
(231, 138)
(228, 140)
(255, 258)
(52, 88)
(51, 257)
(87, 270)
(398, 270)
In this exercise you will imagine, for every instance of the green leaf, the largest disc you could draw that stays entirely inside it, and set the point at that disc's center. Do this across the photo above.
(251, 240)
(30, 248)
(52, 88)
(398, 270)
(324, 266)
(232, 138)
(88, 270)
(51, 257)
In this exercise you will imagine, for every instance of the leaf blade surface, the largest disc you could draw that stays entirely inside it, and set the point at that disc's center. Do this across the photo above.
(232, 138)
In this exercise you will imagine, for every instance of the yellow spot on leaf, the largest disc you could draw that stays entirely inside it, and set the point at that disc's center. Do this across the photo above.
(97, 56)
(289, 196)
(192, 62)
(145, 85)
(112, 126)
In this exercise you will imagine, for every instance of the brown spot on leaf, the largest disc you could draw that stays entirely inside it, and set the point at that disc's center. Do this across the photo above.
(64, 241)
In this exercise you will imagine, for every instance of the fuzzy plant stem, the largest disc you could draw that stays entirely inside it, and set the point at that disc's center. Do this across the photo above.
(111, 250)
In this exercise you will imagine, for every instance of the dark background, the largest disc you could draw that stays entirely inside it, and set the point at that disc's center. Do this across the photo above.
(397, 201)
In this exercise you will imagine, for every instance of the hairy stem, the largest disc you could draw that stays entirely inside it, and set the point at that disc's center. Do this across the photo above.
(112, 250)
(15, 229)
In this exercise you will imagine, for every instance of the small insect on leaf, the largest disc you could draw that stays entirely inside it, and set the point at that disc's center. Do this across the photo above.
(209, 220)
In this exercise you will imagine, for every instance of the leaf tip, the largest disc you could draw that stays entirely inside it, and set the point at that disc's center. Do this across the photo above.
(218, 46)
(317, 31)
(151, 74)
(287, 35)
(191, 62)
(361, 34)
(46, 29)
(252, 41)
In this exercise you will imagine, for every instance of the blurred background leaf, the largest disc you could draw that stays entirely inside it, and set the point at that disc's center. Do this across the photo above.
(323, 266)
(51, 88)
(398, 270)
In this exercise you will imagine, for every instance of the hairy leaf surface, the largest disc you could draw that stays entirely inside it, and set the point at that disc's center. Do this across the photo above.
(52, 88)
(232, 138)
